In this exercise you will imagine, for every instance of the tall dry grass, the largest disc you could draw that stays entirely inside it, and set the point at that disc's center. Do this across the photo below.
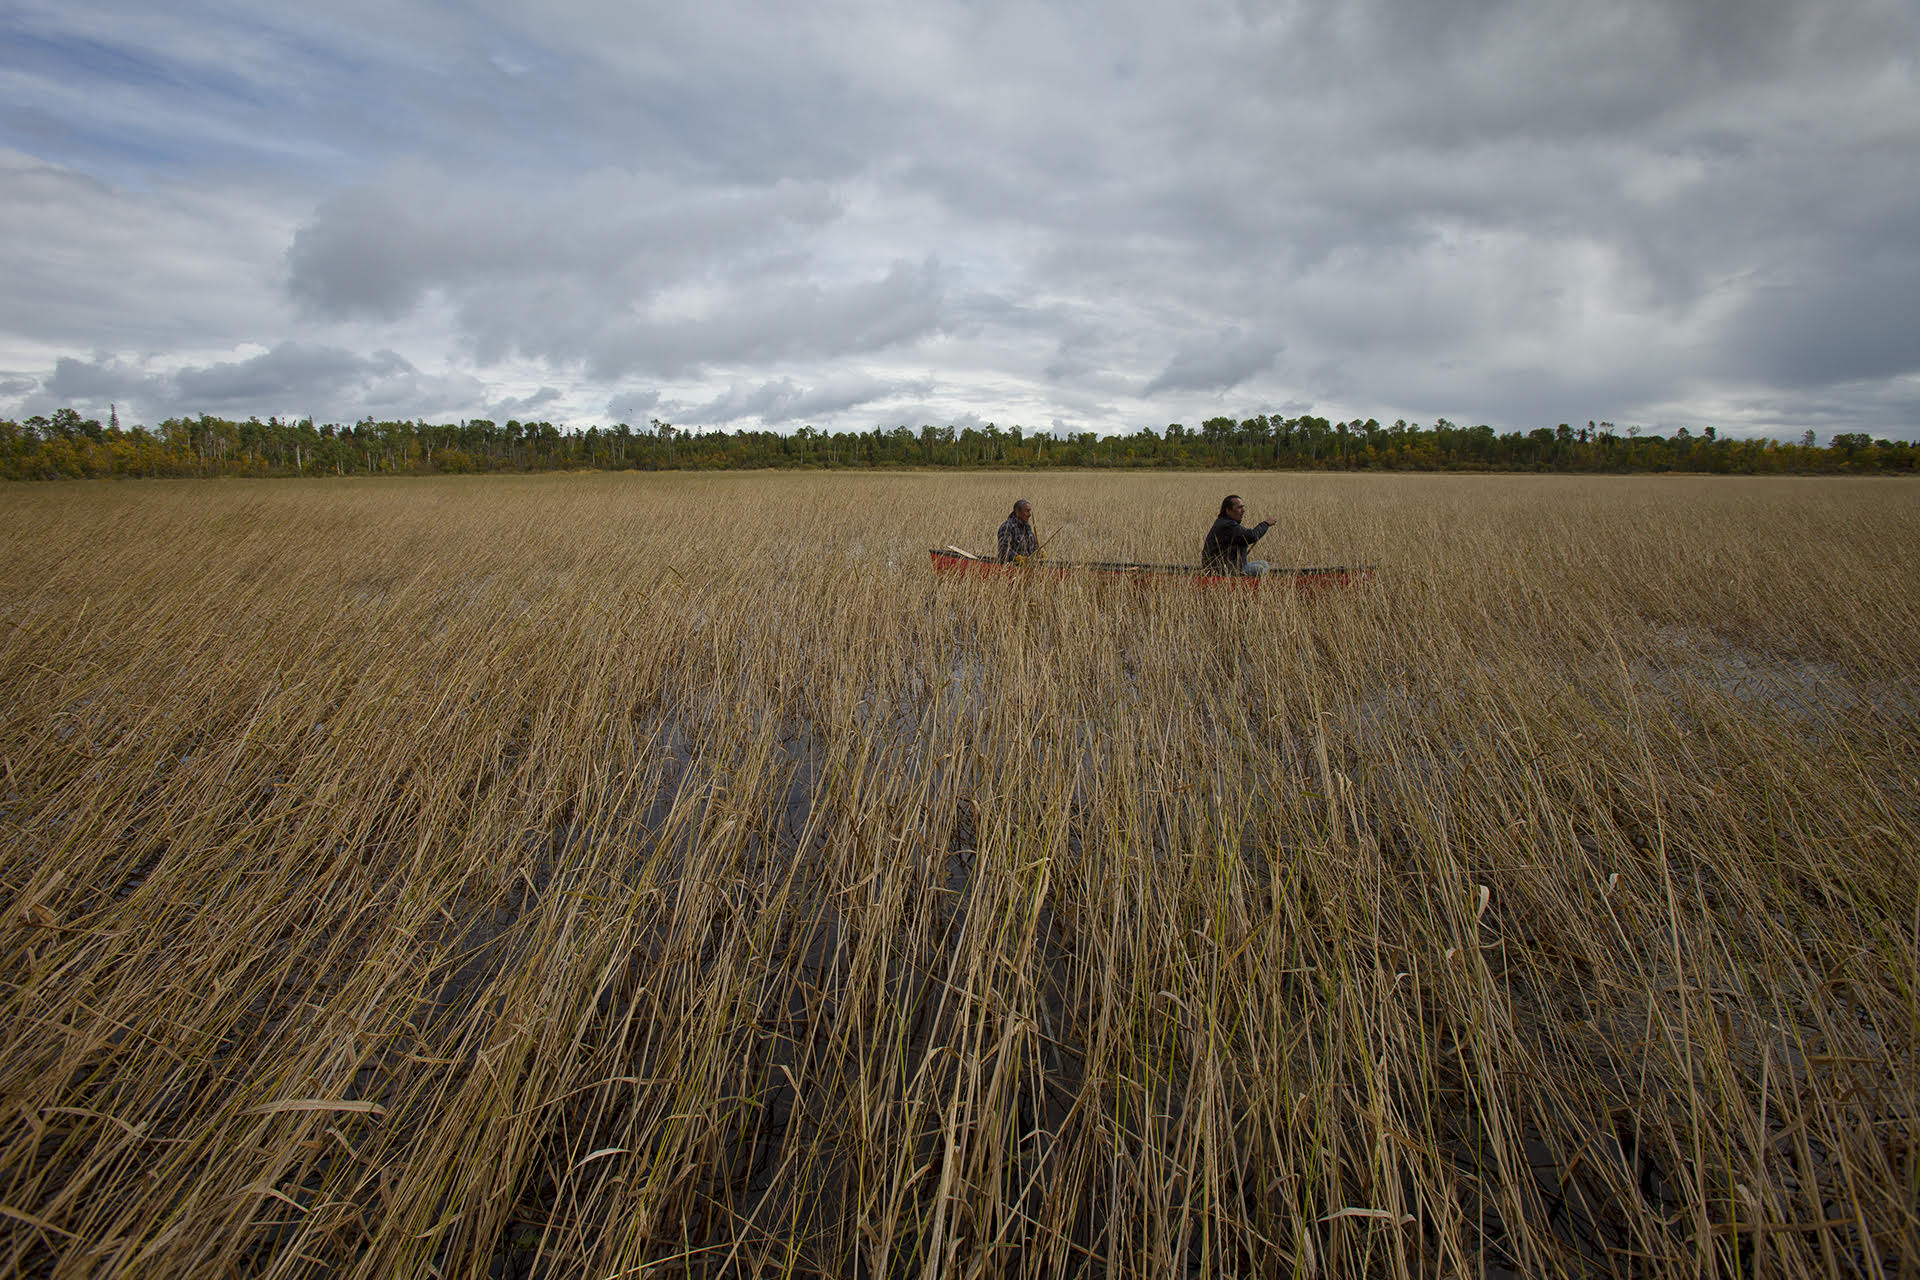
(621, 876)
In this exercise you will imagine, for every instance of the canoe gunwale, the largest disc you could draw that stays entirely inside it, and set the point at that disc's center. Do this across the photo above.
(945, 561)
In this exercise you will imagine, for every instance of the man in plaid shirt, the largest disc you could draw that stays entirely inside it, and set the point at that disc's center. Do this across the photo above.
(1017, 538)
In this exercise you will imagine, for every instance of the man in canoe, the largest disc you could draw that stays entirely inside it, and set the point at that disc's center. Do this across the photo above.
(1018, 542)
(1225, 550)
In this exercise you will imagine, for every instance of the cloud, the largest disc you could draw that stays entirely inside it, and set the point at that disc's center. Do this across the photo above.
(1517, 213)
(773, 320)
(618, 278)
(1812, 334)
(782, 402)
(379, 249)
(292, 379)
(1217, 365)
(633, 406)
(91, 265)
(290, 369)
(1837, 309)
(83, 382)
(547, 398)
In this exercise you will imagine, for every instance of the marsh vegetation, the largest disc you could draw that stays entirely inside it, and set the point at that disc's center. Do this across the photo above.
(667, 874)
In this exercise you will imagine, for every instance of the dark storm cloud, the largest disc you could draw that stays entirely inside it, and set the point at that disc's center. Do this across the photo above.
(1838, 307)
(1845, 407)
(1861, 322)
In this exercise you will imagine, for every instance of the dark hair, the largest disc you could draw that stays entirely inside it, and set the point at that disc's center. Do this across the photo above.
(1017, 504)
(1227, 501)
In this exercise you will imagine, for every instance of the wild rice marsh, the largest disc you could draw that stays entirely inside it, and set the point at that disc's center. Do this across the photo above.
(668, 875)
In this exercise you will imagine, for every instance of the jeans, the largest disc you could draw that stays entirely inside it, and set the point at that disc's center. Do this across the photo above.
(1256, 568)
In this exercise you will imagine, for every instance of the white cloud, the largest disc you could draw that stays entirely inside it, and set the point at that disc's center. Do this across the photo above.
(783, 402)
(619, 277)
(633, 406)
(88, 264)
(290, 380)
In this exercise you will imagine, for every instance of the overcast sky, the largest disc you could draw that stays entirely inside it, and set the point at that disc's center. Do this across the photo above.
(1068, 215)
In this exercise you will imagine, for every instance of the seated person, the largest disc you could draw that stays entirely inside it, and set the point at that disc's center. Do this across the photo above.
(1017, 539)
(1225, 550)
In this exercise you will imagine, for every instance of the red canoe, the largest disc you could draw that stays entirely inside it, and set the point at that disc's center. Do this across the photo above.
(946, 560)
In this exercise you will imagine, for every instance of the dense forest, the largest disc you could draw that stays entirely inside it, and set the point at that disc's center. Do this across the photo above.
(69, 446)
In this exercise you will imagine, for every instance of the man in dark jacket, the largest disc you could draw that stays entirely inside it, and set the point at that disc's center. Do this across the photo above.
(1017, 538)
(1225, 550)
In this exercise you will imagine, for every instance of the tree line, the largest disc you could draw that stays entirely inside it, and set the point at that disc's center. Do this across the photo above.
(67, 445)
